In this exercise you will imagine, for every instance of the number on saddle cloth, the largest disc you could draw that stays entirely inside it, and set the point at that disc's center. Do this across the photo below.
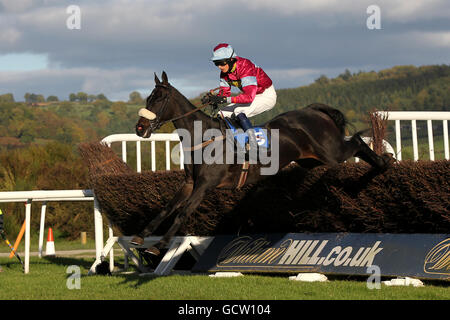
(242, 137)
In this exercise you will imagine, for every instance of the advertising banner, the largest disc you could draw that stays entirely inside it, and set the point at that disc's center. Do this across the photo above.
(413, 255)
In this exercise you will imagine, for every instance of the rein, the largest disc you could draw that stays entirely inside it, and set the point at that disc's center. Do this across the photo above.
(159, 124)
(156, 123)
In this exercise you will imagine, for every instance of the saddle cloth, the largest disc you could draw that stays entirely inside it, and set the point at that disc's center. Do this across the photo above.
(241, 137)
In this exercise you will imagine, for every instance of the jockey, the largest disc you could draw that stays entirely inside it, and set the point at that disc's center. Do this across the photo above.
(258, 94)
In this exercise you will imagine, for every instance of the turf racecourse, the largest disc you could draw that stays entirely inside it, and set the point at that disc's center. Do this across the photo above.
(49, 278)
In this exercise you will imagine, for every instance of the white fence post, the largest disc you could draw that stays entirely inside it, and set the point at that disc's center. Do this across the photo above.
(138, 156)
(446, 147)
(430, 139)
(124, 151)
(42, 228)
(398, 140)
(98, 225)
(153, 155)
(27, 235)
(414, 139)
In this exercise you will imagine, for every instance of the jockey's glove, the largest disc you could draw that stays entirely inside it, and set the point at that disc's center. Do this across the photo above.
(212, 99)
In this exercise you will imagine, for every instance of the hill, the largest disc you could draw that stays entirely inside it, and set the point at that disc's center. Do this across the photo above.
(397, 88)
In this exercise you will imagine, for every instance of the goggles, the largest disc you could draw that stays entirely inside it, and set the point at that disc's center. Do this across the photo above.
(220, 63)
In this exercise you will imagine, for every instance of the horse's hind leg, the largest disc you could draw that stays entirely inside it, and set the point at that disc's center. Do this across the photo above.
(181, 196)
(356, 147)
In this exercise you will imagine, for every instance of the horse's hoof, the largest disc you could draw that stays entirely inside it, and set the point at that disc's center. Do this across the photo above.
(137, 241)
(153, 250)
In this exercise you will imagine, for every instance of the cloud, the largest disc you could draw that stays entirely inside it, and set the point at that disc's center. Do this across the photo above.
(400, 10)
(122, 42)
(434, 39)
(16, 6)
(9, 36)
(414, 10)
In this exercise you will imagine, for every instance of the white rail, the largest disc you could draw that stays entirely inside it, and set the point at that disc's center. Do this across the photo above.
(129, 137)
(415, 116)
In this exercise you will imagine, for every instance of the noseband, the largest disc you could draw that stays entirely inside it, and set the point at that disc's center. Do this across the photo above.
(156, 123)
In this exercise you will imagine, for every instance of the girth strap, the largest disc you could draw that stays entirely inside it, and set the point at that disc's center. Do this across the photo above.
(244, 173)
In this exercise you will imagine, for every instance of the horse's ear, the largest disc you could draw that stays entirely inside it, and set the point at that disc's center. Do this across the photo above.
(157, 80)
(164, 78)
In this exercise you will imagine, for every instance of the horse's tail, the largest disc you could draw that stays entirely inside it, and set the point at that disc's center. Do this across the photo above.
(336, 115)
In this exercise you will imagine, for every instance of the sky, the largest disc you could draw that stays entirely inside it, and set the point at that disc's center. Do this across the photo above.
(114, 47)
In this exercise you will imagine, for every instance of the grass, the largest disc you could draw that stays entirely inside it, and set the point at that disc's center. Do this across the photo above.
(48, 280)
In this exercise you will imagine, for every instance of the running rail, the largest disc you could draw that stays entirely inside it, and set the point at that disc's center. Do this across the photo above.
(415, 116)
(43, 196)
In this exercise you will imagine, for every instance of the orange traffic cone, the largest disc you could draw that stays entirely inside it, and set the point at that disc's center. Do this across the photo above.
(50, 246)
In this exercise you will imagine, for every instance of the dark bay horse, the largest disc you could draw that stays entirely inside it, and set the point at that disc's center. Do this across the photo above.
(315, 132)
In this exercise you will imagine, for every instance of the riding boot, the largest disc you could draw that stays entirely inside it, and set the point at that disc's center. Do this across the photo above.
(248, 127)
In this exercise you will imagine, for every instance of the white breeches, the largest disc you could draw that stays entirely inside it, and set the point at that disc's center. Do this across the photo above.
(262, 102)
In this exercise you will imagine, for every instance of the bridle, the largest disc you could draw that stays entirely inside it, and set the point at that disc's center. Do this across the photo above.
(156, 122)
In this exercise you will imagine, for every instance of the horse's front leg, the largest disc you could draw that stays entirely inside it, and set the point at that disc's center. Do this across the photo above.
(361, 150)
(180, 197)
(192, 203)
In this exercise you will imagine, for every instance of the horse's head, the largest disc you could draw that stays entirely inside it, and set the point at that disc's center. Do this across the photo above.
(156, 109)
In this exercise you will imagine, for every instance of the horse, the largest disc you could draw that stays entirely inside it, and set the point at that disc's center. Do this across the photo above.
(314, 135)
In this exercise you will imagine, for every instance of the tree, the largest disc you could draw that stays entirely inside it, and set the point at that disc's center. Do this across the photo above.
(82, 97)
(7, 97)
(101, 96)
(52, 98)
(346, 75)
(135, 98)
(40, 98)
(102, 120)
(322, 80)
(119, 109)
(72, 97)
(350, 115)
(33, 98)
